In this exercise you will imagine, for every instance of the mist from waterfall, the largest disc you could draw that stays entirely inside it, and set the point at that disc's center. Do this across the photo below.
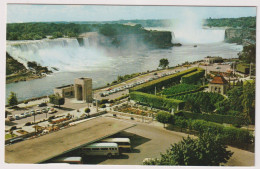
(66, 54)
(188, 29)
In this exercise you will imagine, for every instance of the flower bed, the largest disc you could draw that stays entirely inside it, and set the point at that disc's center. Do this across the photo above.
(60, 120)
(22, 132)
(133, 110)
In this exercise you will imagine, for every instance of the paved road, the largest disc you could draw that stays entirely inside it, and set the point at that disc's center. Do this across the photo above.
(149, 140)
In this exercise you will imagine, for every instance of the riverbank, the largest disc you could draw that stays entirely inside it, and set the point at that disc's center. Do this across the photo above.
(26, 76)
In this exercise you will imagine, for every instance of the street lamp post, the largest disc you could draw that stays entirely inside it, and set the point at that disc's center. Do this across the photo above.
(34, 122)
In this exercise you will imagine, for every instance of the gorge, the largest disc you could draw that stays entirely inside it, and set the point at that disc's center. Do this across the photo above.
(96, 56)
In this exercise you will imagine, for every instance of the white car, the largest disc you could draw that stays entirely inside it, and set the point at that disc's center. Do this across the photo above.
(32, 112)
(38, 111)
(22, 115)
(27, 114)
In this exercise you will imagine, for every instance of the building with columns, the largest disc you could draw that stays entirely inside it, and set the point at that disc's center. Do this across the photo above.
(218, 85)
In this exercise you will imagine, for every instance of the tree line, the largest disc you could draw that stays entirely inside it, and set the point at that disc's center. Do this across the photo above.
(242, 22)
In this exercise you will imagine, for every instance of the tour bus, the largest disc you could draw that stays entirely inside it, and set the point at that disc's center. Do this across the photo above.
(68, 160)
(101, 149)
(123, 143)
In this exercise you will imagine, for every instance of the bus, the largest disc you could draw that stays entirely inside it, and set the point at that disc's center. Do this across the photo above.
(68, 160)
(101, 149)
(123, 143)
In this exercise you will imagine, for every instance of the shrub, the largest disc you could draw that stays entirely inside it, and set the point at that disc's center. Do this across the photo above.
(164, 117)
(194, 77)
(102, 106)
(205, 100)
(87, 110)
(28, 124)
(121, 97)
(218, 118)
(179, 88)
(111, 101)
(230, 135)
(13, 128)
(103, 101)
(156, 101)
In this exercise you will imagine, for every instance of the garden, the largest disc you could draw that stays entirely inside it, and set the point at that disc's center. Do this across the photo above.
(137, 110)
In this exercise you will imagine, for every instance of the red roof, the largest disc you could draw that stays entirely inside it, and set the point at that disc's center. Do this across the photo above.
(218, 79)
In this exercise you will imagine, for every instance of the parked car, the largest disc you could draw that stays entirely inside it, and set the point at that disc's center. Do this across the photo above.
(44, 110)
(32, 112)
(42, 104)
(22, 115)
(38, 111)
(17, 117)
(27, 114)
(52, 110)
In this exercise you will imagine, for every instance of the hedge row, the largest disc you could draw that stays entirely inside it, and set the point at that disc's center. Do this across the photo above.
(156, 101)
(192, 78)
(218, 118)
(121, 97)
(187, 92)
(179, 88)
(163, 82)
(231, 135)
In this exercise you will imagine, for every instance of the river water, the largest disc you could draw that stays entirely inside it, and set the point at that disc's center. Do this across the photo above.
(97, 63)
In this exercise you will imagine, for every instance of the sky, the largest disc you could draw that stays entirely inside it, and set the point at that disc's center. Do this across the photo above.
(17, 13)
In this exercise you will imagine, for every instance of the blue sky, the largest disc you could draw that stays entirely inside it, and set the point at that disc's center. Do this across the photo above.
(43, 13)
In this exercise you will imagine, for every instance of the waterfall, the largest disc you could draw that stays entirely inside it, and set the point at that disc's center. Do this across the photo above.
(67, 54)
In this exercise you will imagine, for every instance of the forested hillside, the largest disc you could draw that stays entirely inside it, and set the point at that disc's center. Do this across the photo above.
(243, 22)
(13, 66)
(117, 32)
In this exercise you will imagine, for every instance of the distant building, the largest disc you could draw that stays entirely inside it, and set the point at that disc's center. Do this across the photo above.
(218, 85)
(81, 90)
(214, 59)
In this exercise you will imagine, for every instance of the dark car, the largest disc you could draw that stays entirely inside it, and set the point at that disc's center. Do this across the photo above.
(42, 104)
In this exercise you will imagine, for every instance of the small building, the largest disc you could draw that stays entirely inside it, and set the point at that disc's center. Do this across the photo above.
(218, 85)
(65, 91)
(81, 90)
(214, 59)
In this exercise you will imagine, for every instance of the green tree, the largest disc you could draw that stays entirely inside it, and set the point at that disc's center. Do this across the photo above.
(163, 63)
(191, 105)
(87, 110)
(108, 30)
(248, 54)
(248, 101)
(164, 117)
(56, 99)
(207, 150)
(57, 35)
(12, 99)
(234, 96)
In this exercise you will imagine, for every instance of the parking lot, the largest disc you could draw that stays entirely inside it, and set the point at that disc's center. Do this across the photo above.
(149, 140)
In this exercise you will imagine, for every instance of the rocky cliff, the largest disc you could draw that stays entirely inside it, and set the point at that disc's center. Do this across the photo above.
(242, 36)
